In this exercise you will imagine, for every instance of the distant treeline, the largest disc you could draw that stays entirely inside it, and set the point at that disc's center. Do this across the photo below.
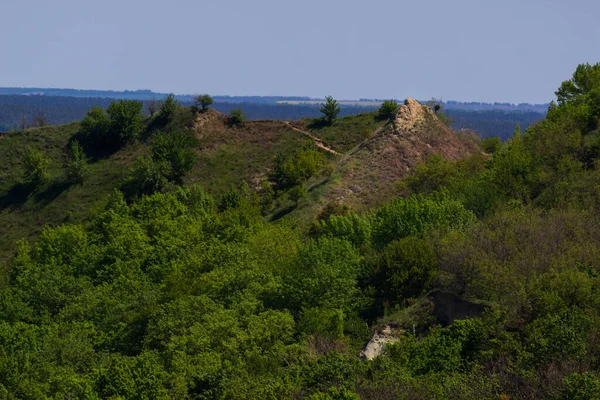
(493, 122)
(17, 111)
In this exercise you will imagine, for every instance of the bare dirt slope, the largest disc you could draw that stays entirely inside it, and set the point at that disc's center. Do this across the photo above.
(369, 171)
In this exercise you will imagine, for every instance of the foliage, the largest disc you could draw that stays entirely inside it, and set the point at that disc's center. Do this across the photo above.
(298, 168)
(203, 100)
(35, 165)
(581, 386)
(491, 144)
(168, 109)
(95, 128)
(126, 120)
(296, 193)
(236, 117)
(330, 109)
(76, 163)
(388, 109)
(486, 271)
(417, 215)
(176, 150)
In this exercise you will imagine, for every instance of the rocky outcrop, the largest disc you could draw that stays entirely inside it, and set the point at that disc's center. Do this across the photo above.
(378, 342)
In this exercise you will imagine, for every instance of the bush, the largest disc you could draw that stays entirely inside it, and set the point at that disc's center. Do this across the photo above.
(297, 169)
(176, 150)
(584, 386)
(405, 269)
(168, 109)
(76, 163)
(36, 168)
(236, 117)
(296, 193)
(330, 109)
(416, 215)
(126, 119)
(203, 101)
(230, 200)
(491, 144)
(388, 109)
(148, 175)
(95, 128)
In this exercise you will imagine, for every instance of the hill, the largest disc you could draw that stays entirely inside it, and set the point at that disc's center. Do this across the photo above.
(449, 274)
(369, 155)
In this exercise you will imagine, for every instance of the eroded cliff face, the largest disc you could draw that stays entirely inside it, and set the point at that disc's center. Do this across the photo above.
(369, 172)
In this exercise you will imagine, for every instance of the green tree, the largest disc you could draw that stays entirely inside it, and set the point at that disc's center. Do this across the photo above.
(388, 109)
(148, 175)
(203, 101)
(296, 193)
(36, 168)
(584, 386)
(330, 109)
(236, 117)
(95, 127)
(126, 119)
(175, 149)
(76, 163)
(168, 109)
(491, 144)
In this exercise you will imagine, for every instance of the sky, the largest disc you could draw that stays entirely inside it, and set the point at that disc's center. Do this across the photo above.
(465, 50)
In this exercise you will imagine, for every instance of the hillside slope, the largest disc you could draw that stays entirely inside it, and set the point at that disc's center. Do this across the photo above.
(364, 170)
(366, 174)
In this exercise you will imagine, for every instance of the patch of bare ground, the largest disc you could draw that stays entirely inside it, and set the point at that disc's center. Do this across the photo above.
(369, 171)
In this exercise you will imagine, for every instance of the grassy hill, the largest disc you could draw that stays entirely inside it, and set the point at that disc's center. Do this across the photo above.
(227, 155)
(481, 279)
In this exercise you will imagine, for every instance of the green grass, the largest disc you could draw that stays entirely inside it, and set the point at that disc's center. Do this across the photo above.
(347, 132)
(226, 156)
(24, 214)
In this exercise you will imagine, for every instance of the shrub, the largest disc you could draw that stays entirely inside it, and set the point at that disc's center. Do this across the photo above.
(203, 101)
(491, 144)
(168, 109)
(292, 171)
(388, 109)
(296, 193)
(95, 128)
(36, 168)
(236, 117)
(584, 386)
(176, 150)
(148, 175)
(126, 119)
(230, 200)
(405, 269)
(416, 215)
(76, 163)
(330, 109)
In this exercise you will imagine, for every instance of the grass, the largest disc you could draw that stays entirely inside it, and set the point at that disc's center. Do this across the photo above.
(227, 156)
(346, 133)
(23, 214)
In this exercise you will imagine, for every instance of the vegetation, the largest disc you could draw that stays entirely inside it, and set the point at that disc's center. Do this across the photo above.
(36, 169)
(203, 100)
(388, 109)
(126, 119)
(168, 109)
(76, 163)
(236, 117)
(330, 109)
(486, 270)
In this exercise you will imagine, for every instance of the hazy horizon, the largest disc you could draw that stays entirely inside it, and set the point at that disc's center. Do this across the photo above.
(513, 52)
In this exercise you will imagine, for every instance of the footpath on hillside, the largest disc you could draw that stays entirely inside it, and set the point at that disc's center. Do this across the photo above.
(317, 141)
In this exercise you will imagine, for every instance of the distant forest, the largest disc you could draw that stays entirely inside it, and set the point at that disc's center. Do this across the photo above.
(17, 111)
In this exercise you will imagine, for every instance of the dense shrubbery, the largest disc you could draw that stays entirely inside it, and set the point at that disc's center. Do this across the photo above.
(168, 296)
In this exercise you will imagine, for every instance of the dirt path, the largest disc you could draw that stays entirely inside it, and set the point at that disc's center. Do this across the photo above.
(317, 141)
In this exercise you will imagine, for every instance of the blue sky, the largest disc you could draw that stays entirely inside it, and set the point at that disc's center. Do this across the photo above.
(468, 50)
